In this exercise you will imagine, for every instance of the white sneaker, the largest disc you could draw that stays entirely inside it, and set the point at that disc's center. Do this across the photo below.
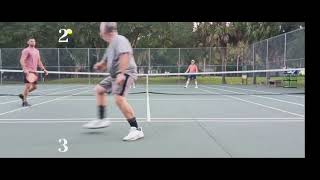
(96, 124)
(134, 134)
(196, 87)
(185, 87)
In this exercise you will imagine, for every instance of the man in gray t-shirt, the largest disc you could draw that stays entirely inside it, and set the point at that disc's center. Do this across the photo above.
(120, 63)
(119, 45)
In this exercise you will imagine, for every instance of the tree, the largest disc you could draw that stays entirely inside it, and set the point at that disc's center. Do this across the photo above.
(234, 37)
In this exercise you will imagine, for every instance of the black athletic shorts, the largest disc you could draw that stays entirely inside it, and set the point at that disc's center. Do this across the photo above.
(192, 77)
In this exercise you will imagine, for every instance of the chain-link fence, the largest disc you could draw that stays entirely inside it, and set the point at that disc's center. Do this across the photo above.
(285, 50)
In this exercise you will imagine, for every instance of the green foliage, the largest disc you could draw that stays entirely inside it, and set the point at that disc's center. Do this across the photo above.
(143, 34)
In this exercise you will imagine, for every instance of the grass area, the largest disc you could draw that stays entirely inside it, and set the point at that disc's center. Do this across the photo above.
(207, 80)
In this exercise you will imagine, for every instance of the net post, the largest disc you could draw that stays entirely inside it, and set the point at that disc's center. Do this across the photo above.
(148, 101)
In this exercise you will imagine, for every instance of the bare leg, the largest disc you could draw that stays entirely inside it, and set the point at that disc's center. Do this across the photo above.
(187, 82)
(135, 131)
(124, 106)
(101, 101)
(32, 87)
(101, 96)
(128, 112)
(26, 91)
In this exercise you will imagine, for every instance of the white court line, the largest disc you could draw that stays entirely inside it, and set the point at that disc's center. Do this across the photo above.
(277, 109)
(7, 102)
(10, 87)
(22, 87)
(259, 91)
(289, 102)
(157, 120)
(43, 102)
(164, 118)
(175, 88)
(154, 99)
(148, 100)
(164, 85)
(162, 121)
(39, 96)
(46, 88)
(295, 96)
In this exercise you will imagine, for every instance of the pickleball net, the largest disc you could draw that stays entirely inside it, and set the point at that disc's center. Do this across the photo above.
(253, 82)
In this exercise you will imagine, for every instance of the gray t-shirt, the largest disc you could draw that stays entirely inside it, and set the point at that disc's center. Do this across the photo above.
(118, 46)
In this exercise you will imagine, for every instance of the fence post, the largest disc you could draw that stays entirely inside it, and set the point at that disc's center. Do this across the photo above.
(179, 61)
(210, 57)
(267, 63)
(0, 60)
(204, 63)
(89, 66)
(285, 50)
(0, 68)
(149, 61)
(58, 63)
(253, 68)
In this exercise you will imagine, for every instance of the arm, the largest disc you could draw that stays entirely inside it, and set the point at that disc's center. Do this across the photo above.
(42, 67)
(102, 64)
(197, 69)
(40, 64)
(24, 56)
(188, 69)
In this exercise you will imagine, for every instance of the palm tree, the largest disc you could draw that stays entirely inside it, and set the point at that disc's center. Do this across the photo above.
(221, 38)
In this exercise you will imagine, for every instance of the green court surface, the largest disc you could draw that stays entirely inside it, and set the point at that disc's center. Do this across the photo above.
(225, 124)
(169, 80)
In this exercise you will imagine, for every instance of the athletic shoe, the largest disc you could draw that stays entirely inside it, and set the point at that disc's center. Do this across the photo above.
(134, 134)
(25, 104)
(97, 124)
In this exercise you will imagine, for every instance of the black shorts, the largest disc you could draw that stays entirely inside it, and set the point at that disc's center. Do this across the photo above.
(192, 77)
(25, 79)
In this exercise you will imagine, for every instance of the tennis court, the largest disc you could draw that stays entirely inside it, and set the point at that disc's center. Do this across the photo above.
(250, 100)
(220, 121)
